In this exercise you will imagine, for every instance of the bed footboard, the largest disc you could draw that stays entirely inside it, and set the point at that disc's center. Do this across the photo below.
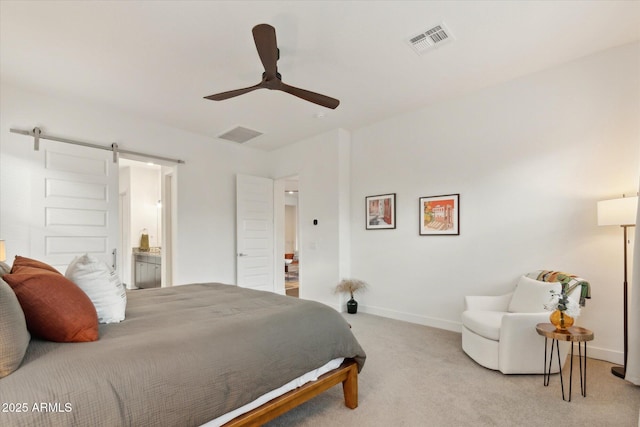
(347, 374)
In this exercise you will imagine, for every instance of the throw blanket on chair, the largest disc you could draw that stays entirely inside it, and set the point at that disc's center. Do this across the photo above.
(568, 281)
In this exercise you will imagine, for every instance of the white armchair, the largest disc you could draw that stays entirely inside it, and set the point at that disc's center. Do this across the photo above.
(499, 332)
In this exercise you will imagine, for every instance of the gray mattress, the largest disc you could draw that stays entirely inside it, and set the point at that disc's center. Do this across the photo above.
(183, 356)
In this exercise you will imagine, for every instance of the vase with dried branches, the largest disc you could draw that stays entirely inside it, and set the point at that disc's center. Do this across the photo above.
(351, 286)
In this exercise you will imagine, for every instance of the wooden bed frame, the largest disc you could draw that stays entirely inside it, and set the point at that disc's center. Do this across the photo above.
(347, 374)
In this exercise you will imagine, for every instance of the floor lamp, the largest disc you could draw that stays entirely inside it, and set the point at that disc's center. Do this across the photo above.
(620, 212)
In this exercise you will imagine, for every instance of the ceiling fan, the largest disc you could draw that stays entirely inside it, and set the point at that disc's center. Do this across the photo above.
(264, 36)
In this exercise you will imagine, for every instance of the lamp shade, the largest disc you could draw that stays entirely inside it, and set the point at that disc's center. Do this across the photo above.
(3, 254)
(621, 211)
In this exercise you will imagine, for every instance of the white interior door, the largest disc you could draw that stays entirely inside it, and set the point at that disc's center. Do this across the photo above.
(254, 238)
(124, 257)
(74, 205)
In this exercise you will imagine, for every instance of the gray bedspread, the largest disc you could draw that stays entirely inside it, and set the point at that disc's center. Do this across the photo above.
(183, 356)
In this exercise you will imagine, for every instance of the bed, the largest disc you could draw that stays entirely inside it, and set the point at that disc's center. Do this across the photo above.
(184, 356)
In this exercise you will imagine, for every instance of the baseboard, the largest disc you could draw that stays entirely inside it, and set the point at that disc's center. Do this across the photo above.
(593, 352)
(605, 354)
(433, 322)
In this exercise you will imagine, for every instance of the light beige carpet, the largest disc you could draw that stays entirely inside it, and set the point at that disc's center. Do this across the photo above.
(419, 376)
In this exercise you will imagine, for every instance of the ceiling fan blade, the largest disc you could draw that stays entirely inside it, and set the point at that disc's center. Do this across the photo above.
(264, 36)
(230, 94)
(316, 98)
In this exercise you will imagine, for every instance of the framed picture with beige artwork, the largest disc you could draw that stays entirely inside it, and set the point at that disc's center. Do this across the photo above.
(381, 211)
(440, 215)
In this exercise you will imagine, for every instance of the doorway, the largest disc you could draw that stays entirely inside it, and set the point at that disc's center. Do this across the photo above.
(291, 238)
(145, 213)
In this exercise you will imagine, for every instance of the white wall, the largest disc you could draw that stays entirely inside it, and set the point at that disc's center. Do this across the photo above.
(290, 227)
(145, 213)
(317, 163)
(530, 159)
(205, 224)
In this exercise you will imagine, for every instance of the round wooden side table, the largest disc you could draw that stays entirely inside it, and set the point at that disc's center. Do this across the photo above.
(573, 334)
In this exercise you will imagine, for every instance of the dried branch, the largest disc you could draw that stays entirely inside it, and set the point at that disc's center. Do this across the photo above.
(350, 286)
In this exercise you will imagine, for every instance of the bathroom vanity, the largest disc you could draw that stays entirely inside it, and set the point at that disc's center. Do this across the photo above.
(147, 269)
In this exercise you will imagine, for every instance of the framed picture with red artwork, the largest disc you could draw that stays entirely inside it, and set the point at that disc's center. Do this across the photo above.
(381, 211)
(440, 215)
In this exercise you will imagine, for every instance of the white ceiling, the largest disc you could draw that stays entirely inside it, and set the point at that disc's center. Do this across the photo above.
(157, 60)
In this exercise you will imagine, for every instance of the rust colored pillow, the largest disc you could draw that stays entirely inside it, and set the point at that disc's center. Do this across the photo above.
(20, 262)
(54, 307)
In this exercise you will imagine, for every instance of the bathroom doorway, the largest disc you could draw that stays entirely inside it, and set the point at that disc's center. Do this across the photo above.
(147, 198)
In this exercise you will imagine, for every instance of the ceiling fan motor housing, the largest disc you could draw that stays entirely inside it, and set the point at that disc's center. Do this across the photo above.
(272, 83)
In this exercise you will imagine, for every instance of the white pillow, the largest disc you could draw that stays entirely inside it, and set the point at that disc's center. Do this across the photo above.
(14, 336)
(4, 269)
(102, 285)
(531, 295)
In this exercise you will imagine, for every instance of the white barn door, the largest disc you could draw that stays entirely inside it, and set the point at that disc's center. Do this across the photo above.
(254, 228)
(74, 205)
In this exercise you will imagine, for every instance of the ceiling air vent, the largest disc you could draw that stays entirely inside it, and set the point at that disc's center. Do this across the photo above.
(431, 38)
(239, 134)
